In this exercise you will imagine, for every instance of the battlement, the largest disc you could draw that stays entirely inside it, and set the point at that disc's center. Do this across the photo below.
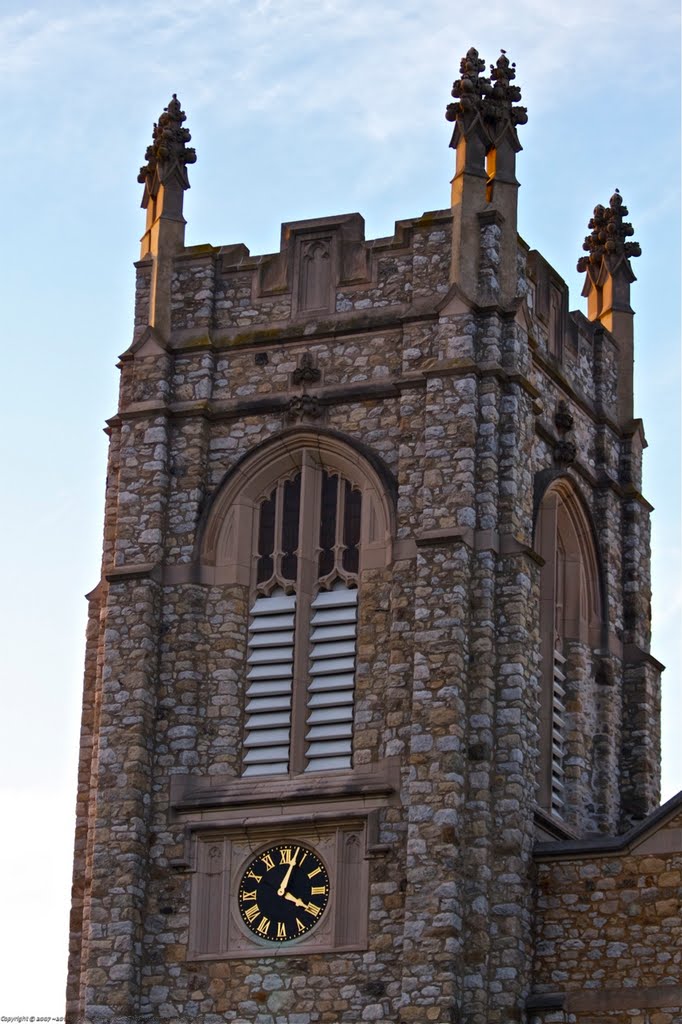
(325, 268)
(328, 280)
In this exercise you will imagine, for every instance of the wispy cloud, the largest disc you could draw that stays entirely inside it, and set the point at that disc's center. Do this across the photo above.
(344, 58)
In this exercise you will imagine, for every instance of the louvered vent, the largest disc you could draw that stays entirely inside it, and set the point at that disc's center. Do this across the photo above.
(270, 675)
(329, 721)
(558, 712)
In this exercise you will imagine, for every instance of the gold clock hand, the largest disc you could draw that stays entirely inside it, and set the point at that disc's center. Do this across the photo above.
(294, 899)
(285, 881)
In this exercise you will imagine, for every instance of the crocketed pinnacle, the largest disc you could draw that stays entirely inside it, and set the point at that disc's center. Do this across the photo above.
(168, 154)
(487, 103)
(468, 90)
(499, 111)
(608, 238)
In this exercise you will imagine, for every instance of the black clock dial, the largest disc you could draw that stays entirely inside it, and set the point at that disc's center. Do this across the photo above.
(283, 892)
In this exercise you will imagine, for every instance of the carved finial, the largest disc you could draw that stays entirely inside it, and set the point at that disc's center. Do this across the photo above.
(491, 99)
(499, 112)
(607, 240)
(469, 91)
(168, 155)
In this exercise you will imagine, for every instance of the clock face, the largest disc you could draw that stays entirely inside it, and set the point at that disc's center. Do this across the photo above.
(283, 892)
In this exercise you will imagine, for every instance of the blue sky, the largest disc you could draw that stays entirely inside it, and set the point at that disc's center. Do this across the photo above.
(297, 108)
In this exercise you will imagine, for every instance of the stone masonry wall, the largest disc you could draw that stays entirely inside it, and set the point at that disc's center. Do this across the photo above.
(609, 932)
(459, 406)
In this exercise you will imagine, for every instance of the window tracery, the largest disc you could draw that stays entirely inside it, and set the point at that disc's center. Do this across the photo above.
(297, 525)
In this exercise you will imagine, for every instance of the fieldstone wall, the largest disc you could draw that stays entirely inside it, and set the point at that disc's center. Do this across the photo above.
(367, 340)
(609, 931)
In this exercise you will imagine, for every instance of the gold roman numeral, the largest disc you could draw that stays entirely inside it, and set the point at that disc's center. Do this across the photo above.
(313, 909)
(268, 861)
(252, 913)
(301, 926)
(286, 855)
(262, 928)
(317, 871)
(251, 895)
(250, 874)
(305, 854)
(281, 930)
(317, 890)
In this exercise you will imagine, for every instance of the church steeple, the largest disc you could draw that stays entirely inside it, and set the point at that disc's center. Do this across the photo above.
(607, 286)
(165, 181)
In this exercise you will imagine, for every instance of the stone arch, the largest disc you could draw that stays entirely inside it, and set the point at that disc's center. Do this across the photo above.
(572, 630)
(226, 541)
(563, 521)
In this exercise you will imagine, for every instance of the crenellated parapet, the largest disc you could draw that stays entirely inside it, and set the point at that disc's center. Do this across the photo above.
(325, 268)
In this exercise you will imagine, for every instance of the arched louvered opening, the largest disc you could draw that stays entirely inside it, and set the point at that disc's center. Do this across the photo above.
(570, 610)
(296, 523)
(303, 624)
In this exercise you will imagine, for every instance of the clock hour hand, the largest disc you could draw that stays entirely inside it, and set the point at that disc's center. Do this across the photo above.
(285, 881)
(295, 899)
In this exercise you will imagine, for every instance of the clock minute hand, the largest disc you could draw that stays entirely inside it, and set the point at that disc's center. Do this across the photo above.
(285, 881)
(295, 899)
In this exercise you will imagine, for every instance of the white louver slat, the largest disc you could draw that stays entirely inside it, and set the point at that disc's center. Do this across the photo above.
(558, 712)
(329, 720)
(270, 675)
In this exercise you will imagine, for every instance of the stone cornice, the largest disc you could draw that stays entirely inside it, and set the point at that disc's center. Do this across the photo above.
(283, 332)
(604, 1000)
(336, 394)
(350, 324)
(136, 571)
(202, 793)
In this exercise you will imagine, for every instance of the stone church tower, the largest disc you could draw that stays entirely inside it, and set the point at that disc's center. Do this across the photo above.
(370, 722)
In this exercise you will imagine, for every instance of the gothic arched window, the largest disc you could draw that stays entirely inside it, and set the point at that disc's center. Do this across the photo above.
(297, 524)
(570, 614)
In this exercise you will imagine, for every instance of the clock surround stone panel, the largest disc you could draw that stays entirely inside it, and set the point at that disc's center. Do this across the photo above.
(221, 858)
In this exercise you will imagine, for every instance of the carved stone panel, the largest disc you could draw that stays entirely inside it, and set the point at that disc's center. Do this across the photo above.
(315, 275)
(216, 928)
